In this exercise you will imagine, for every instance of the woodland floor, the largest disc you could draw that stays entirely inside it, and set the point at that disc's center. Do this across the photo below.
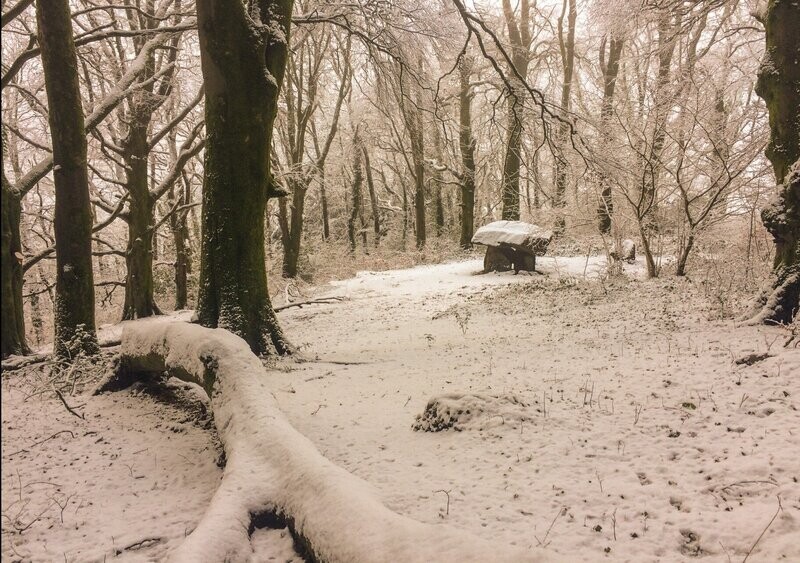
(616, 424)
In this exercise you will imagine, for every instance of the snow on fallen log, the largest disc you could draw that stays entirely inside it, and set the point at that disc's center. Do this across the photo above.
(274, 472)
(520, 235)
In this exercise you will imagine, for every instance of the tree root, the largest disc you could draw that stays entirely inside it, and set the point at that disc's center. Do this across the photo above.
(275, 474)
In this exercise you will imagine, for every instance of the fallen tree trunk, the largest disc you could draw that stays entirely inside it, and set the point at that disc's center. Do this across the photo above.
(275, 473)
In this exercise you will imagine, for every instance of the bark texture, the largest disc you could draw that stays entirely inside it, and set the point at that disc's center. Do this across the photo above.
(519, 34)
(779, 85)
(13, 318)
(74, 307)
(243, 56)
(610, 68)
(466, 143)
(355, 200)
(139, 300)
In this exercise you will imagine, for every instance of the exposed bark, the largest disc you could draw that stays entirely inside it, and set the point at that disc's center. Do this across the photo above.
(323, 196)
(139, 300)
(610, 68)
(13, 318)
(437, 179)
(243, 56)
(519, 34)
(412, 119)
(466, 143)
(779, 85)
(183, 259)
(662, 102)
(291, 222)
(74, 308)
(44, 166)
(373, 199)
(355, 194)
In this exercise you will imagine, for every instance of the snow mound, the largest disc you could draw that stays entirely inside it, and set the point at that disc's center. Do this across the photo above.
(470, 412)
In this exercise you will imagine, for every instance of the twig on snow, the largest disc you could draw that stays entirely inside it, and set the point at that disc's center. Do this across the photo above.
(42, 441)
(69, 408)
(780, 508)
(543, 541)
(318, 301)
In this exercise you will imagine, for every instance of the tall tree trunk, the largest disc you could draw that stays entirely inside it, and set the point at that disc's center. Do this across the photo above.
(537, 182)
(243, 58)
(293, 223)
(13, 315)
(373, 199)
(519, 34)
(610, 68)
(779, 85)
(74, 308)
(180, 237)
(142, 248)
(139, 300)
(567, 47)
(511, 161)
(405, 214)
(662, 99)
(358, 180)
(412, 118)
(323, 195)
(437, 178)
(466, 144)
(683, 256)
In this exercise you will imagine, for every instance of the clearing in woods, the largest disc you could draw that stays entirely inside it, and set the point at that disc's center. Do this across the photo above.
(591, 417)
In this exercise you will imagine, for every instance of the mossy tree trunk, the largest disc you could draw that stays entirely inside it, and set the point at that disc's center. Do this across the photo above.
(779, 85)
(243, 54)
(13, 318)
(74, 307)
(139, 300)
(137, 145)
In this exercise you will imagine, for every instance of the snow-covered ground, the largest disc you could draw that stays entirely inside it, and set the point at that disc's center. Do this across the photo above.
(607, 420)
